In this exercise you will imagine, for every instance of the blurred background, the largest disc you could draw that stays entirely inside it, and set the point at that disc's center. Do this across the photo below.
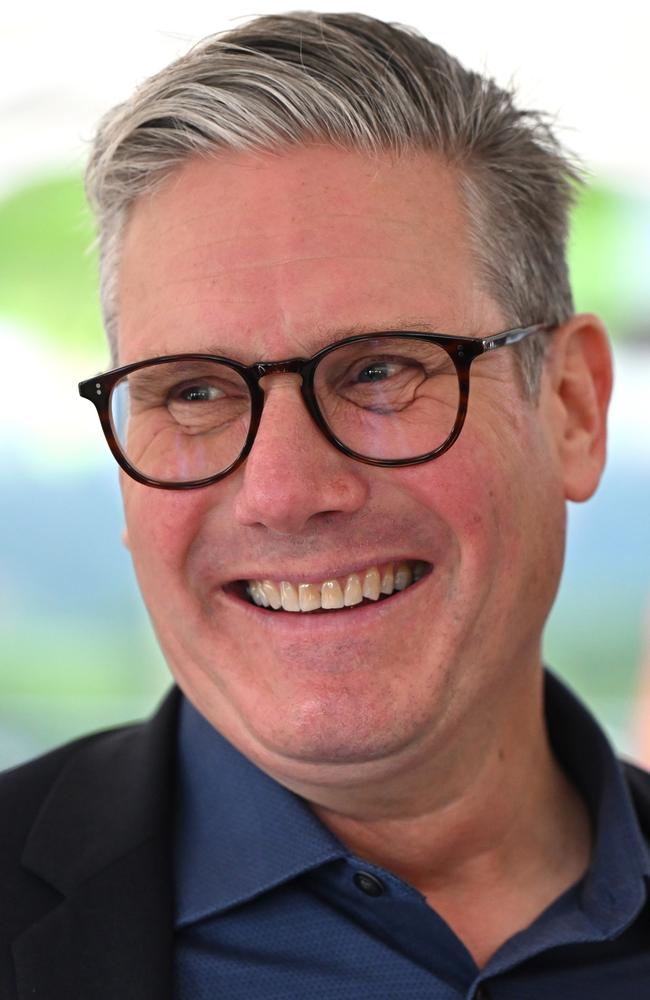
(76, 649)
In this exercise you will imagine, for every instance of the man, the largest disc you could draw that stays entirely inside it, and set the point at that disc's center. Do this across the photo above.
(350, 402)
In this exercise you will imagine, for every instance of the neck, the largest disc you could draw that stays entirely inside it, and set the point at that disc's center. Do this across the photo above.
(498, 834)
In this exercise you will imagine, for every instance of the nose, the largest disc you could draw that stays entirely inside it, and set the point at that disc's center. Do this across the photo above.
(292, 473)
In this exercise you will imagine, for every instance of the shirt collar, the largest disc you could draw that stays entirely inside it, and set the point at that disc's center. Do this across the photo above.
(614, 889)
(239, 833)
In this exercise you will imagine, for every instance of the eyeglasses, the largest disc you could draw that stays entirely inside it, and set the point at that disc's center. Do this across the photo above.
(388, 399)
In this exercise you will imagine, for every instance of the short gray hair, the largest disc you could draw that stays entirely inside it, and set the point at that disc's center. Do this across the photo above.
(359, 84)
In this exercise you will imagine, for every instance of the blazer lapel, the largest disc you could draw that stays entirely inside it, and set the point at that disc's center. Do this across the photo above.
(102, 840)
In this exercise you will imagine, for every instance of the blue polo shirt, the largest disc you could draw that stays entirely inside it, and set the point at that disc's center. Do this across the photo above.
(270, 904)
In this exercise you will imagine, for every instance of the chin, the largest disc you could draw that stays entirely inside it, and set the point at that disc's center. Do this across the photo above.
(322, 733)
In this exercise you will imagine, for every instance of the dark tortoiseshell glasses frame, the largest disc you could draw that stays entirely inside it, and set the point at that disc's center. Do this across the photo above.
(461, 350)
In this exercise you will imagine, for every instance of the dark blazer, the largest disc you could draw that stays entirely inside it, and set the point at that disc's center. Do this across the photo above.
(85, 866)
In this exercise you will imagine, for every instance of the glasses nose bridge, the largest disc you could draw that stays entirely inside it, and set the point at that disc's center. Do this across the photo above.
(290, 366)
(303, 367)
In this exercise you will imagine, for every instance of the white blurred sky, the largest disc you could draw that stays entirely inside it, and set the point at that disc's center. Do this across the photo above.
(62, 64)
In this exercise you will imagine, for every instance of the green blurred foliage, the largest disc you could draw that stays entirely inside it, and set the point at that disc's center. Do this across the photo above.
(48, 272)
(608, 258)
(49, 282)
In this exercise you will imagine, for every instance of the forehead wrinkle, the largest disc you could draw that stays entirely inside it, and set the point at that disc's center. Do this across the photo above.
(257, 236)
(217, 241)
(253, 233)
(410, 223)
(220, 269)
(165, 230)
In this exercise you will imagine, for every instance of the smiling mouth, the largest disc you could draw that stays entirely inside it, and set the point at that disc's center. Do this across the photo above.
(375, 584)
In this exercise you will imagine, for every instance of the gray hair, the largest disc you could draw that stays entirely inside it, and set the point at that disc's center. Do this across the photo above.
(359, 84)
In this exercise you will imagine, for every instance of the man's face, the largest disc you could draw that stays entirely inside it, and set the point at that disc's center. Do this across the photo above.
(271, 257)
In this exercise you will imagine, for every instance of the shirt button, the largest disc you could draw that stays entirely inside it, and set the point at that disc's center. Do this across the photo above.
(370, 884)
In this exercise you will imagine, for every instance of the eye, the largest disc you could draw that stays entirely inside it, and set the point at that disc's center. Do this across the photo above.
(202, 393)
(377, 371)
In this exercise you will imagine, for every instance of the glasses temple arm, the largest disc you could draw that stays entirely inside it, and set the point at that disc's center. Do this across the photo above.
(514, 336)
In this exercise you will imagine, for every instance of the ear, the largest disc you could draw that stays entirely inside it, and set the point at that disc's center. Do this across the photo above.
(579, 367)
(125, 539)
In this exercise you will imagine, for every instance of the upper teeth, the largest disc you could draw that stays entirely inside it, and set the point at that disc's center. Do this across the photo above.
(341, 592)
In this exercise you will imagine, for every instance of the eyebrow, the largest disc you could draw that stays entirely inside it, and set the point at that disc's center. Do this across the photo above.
(322, 336)
(146, 381)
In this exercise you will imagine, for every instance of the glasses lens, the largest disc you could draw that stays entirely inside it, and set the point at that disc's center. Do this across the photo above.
(388, 397)
(181, 421)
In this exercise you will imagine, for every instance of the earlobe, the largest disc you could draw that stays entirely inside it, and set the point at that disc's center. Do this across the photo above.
(125, 539)
(581, 382)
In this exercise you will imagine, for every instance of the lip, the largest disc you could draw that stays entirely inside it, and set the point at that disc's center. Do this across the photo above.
(319, 575)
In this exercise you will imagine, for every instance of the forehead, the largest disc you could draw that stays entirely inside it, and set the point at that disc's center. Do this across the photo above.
(268, 255)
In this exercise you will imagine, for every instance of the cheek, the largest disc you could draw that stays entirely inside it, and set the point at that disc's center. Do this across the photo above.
(462, 495)
(160, 526)
(497, 497)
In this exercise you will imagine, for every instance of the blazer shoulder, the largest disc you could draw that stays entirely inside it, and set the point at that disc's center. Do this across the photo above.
(638, 781)
(24, 788)
(84, 829)
(637, 778)
(82, 772)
